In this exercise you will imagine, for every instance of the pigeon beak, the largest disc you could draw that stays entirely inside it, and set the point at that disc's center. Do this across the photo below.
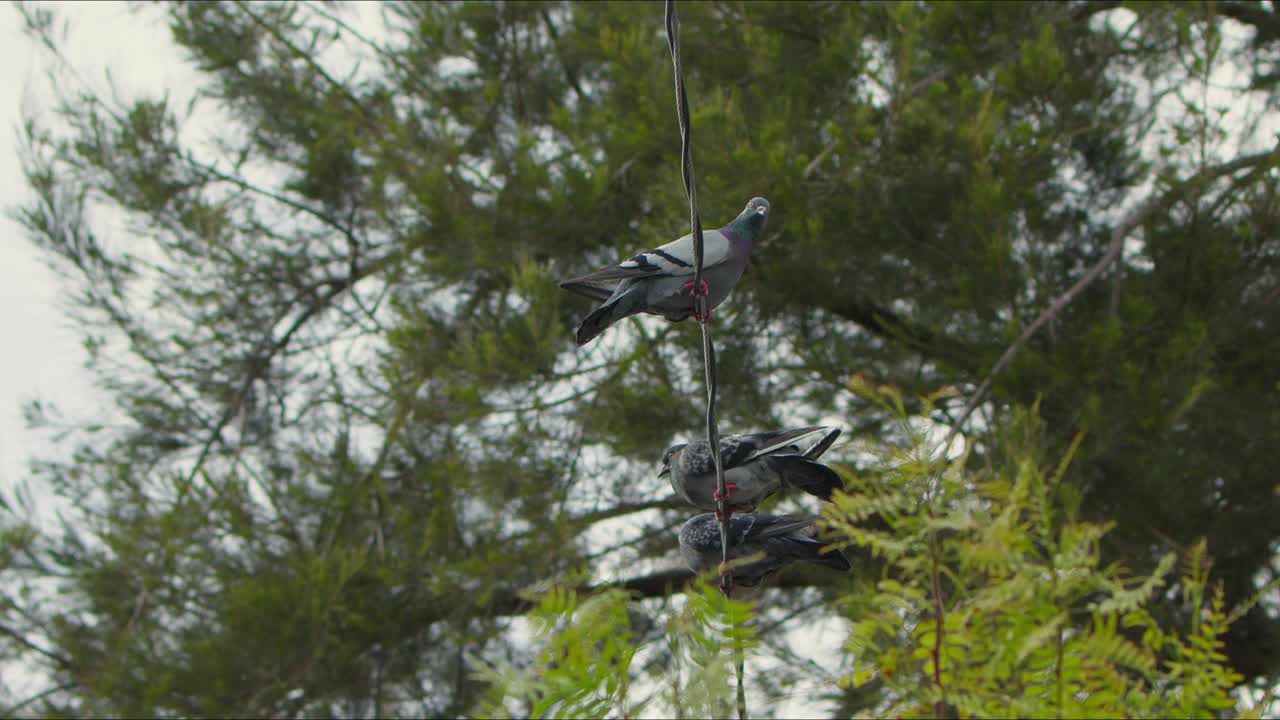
(761, 210)
(666, 470)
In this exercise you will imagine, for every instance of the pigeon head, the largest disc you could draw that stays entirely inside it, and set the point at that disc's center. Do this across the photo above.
(666, 458)
(750, 222)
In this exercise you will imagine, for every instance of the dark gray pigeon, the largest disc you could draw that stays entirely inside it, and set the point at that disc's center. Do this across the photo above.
(756, 466)
(660, 281)
(783, 539)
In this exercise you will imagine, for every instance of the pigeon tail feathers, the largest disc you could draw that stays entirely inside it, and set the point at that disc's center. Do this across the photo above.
(811, 549)
(822, 445)
(607, 314)
(812, 477)
(833, 558)
(596, 291)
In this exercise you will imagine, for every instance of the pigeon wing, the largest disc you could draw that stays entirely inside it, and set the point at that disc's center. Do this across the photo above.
(768, 526)
(822, 445)
(674, 258)
(755, 445)
(595, 291)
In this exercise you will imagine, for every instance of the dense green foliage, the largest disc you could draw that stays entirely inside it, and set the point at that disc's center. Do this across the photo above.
(994, 598)
(991, 601)
(352, 426)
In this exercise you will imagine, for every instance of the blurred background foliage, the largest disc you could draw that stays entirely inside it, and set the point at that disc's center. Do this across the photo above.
(352, 425)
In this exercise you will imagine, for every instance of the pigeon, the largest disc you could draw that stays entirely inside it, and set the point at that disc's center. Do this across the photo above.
(756, 466)
(782, 539)
(660, 281)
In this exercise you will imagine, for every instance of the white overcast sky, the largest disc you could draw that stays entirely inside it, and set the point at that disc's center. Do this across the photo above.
(41, 356)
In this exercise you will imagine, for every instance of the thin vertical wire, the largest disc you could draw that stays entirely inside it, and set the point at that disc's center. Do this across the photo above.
(702, 303)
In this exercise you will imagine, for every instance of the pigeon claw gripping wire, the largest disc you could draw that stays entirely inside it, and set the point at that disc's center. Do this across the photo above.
(728, 509)
(728, 491)
(699, 290)
(702, 290)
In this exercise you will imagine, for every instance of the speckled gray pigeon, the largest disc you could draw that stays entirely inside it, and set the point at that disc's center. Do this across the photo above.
(783, 539)
(660, 281)
(756, 466)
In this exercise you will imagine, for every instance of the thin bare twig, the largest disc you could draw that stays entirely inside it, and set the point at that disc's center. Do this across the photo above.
(13, 709)
(1118, 234)
(61, 660)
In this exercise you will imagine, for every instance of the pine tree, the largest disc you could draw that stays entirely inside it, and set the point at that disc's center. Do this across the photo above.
(353, 425)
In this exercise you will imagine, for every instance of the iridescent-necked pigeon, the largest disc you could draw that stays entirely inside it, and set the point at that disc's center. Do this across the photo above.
(660, 281)
(783, 539)
(755, 466)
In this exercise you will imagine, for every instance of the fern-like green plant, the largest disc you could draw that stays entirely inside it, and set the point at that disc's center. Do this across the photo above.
(991, 601)
(584, 663)
(994, 602)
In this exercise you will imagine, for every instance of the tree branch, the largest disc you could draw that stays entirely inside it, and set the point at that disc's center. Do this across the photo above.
(13, 709)
(1130, 223)
(885, 323)
(569, 74)
(306, 57)
(61, 660)
(260, 360)
(661, 584)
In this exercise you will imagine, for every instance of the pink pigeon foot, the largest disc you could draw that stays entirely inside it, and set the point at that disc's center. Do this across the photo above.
(701, 291)
(728, 491)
